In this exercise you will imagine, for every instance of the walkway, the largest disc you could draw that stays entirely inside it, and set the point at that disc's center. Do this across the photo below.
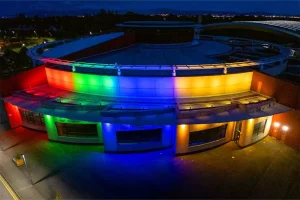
(267, 169)
(19, 182)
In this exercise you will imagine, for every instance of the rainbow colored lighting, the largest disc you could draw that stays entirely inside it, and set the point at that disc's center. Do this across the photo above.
(171, 87)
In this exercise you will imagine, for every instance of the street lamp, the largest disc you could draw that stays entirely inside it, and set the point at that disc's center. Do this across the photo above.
(23, 157)
(284, 130)
(275, 130)
(276, 124)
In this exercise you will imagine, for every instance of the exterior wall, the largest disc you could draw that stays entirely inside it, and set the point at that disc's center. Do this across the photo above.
(292, 120)
(13, 114)
(24, 80)
(172, 135)
(150, 86)
(284, 92)
(247, 131)
(53, 133)
(120, 42)
(157, 35)
(110, 138)
(183, 132)
(15, 118)
(3, 115)
(288, 94)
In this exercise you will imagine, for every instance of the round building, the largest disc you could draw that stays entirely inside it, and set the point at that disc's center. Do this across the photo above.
(155, 85)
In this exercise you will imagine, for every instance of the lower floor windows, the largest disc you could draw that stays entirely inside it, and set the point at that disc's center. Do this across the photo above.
(139, 136)
(208, 135)
(32, 117)
(259, 128)
(77, 130)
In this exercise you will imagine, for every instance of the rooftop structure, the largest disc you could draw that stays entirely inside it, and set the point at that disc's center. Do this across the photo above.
(161, 32)
(284, 24)
(277, 31)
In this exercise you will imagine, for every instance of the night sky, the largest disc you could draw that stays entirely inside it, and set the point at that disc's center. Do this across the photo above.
(242, 6)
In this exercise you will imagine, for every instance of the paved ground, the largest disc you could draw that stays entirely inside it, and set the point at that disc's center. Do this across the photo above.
(4, 194)
(267, 169)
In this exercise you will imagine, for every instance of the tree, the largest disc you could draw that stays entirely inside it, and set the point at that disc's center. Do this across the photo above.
(21, 16)
(23, 61)
(103, 12)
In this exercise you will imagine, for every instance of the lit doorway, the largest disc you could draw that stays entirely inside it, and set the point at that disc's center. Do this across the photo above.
(237, 132)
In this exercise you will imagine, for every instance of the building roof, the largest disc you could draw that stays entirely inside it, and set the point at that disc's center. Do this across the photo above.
(288, 27)
(80, 44)
(57, 102)
(284, 24)
(197, 52)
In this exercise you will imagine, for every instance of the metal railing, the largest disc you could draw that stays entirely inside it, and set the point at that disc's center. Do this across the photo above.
(284, 53)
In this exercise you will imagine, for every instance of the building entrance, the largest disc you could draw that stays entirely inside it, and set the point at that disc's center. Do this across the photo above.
(237, 132)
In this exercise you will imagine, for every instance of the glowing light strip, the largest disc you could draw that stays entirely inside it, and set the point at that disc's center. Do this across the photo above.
(166, 87)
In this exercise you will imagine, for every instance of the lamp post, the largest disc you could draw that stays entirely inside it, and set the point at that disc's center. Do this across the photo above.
(23, 157)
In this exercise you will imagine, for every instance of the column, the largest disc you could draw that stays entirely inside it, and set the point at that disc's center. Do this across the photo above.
(109, 137)
(182, 138)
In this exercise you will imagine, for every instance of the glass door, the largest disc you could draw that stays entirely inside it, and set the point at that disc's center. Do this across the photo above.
(237, 132)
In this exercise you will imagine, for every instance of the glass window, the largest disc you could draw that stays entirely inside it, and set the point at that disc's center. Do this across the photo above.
(208, 135)
(32, 117)
(77, 130)
(152, 135)
(259, 128)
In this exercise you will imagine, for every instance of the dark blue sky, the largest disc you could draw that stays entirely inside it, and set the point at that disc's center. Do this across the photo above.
(270, 6)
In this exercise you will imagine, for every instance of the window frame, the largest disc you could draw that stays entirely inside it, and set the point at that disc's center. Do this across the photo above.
(32, 117)
(157, 135)
(259, 128)
(220, 134)
(76, 130)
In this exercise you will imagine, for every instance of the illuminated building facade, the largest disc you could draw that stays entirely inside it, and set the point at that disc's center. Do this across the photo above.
(115, 91)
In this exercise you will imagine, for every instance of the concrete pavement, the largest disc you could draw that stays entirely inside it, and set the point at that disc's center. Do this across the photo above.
(17, 179)
(267, 169)
(6, 191)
